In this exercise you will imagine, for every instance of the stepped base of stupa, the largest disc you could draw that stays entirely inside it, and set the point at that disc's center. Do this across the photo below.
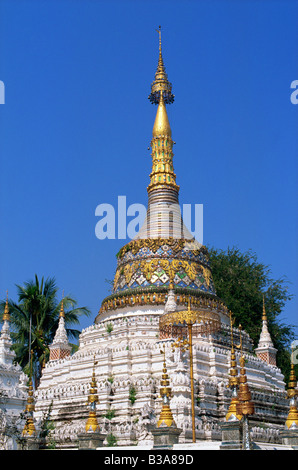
(126, 349)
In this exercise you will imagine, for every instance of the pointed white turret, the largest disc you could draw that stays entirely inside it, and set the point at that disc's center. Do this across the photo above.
(6, 353)
(13, 386)
(266, 350)
(60, 347)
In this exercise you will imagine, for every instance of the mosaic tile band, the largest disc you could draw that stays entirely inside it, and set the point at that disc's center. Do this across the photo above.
(161, 262)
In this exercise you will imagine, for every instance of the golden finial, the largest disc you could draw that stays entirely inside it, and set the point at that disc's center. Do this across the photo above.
(6, 315)
(92, 423)
(159, 33)
(161, 84)
(62, 313)
(166, 417)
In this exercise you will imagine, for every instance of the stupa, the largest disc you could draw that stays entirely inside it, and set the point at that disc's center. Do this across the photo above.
(13, 389)
(163, 269)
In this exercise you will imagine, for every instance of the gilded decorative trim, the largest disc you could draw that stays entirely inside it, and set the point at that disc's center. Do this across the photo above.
(189, 317)
(158, 296)
(176, 244)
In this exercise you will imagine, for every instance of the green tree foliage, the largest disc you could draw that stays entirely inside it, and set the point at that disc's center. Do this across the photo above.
(37, 310)
(241, 281)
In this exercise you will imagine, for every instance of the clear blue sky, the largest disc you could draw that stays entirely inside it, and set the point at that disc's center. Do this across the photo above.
(77, 123)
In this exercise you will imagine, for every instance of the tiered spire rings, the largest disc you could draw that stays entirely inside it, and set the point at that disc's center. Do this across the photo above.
(161, 82)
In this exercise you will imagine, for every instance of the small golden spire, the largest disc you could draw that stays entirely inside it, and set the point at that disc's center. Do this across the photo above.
(292, 419)
(166, 417)
(245, 405)
(92, 423)
(29, 428)
(233, 380)
(62, 313)
(6, 315)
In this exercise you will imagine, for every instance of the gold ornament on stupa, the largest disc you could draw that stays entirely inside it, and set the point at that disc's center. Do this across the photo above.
(6, 315)
(62, 313)
(29, 428)
(232, 413)
(92, 423)
(292, 419)
(162, 174)
(166, 416)
(245, 406)
(161, 84)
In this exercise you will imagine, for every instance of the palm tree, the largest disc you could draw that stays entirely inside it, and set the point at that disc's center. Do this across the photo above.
(34, 321)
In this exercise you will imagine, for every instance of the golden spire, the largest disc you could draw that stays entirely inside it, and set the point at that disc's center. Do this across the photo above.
(292, 419)
(162, 175)
(62, 313)
(92, 423)
(166, 417)
(245, 405)
(29, 428)
(6, 315)
(232, 413)
(233, 379)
